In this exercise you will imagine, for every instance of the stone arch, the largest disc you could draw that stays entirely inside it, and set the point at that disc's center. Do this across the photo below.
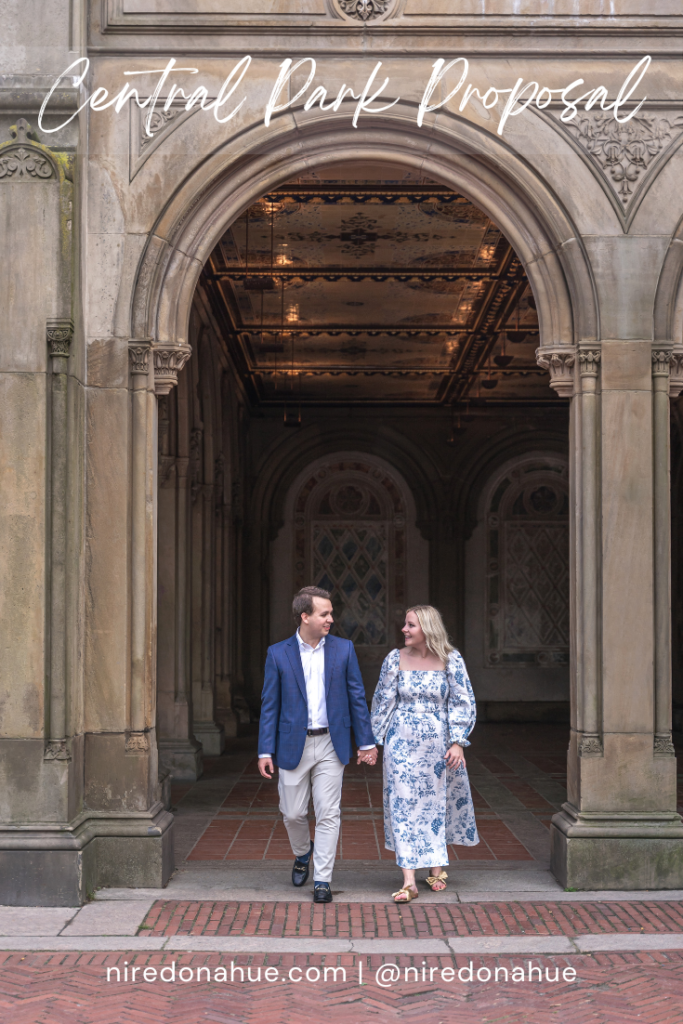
(453, 151)
(668, 308)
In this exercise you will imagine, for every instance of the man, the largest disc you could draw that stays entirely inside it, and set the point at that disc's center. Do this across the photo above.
(312, 695)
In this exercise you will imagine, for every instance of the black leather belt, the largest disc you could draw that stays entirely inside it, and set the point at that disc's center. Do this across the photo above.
(316, 732)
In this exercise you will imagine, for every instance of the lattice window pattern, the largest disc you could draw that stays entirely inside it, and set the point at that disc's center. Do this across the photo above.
(528, 567)
(350, 560)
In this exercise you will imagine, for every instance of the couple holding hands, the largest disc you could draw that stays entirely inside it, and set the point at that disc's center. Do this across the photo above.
(423, 711)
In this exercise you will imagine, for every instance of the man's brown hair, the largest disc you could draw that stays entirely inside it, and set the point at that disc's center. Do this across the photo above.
(303, 601)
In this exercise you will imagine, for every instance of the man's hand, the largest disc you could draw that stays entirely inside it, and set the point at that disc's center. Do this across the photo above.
(265, 766)
(367, 756)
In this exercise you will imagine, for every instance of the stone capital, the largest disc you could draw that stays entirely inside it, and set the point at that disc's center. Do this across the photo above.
(661, 361)
(168, 362)
(138, 353)
(589, 362)
(59, 332)
(560, 364)
(676, 372)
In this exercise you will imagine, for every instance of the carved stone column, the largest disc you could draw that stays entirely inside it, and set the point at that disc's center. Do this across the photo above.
(59, 337)
(137, 739)
(588, 641)
(662, 359)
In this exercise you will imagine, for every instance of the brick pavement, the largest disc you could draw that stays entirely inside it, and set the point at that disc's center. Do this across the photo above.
(428, 920)
(247, 825)
(646, 988)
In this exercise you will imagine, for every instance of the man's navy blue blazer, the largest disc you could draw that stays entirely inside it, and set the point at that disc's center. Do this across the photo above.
(284, 705)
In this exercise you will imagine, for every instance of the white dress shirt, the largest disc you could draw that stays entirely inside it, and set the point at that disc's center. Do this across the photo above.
(313, 664)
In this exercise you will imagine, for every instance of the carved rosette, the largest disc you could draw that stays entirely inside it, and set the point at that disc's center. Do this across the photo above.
(364, 10)
(675, 373)
(168, 362)
(590, 746)
(560, 365)
(138, 353)
(59, 333)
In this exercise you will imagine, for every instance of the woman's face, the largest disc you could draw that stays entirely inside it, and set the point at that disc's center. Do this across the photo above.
(412, 630)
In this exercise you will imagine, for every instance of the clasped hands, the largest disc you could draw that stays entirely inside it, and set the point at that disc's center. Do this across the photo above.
(265, 764)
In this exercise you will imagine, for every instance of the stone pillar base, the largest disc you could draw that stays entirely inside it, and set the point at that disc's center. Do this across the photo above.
(60, 868)
(211, 737)
(619, 851)
(182, 759)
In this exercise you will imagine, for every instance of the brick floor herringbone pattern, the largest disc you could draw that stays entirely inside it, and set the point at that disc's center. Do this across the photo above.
(39, 988)
(389, 920)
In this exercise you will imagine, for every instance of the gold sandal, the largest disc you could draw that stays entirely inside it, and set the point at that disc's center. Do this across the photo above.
(441, 877)
(410, 895)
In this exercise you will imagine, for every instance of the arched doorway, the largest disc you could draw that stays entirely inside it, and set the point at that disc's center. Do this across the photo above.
(558, 276)
(357, 339)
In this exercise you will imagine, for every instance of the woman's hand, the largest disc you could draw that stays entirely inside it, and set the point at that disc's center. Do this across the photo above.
(454, 756)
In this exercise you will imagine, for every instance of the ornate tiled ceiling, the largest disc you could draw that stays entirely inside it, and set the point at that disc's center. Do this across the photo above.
(375, 290)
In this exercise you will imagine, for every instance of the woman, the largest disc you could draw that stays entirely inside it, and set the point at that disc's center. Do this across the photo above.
(423, 711)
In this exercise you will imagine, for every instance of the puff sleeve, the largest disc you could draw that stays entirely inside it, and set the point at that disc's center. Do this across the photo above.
(462, 709)
(385, 698)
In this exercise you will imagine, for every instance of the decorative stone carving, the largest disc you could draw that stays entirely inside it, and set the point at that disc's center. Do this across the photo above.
(158, 121)
(589, 362)
(137, 743)
(162, 124)
(59, 333)
(166, 465)
(590, 746)
(675, 373)
(560, 364)
(624, 151)
(139, 358)
(25, 159)
(57, 750)
(661, 362)
(663, 747)
(364, 10)
(168, 362)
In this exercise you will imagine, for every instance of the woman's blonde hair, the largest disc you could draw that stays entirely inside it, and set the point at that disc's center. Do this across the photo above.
(434, 630)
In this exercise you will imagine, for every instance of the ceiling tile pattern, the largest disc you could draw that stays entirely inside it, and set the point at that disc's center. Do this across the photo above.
(374, 290)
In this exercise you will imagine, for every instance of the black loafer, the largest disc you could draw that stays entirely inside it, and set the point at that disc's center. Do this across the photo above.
(322, 892)
(301, 869)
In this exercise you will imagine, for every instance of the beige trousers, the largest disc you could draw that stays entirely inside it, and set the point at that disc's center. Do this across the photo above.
(319, 772)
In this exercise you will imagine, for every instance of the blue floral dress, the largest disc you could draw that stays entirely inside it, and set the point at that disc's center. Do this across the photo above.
(417, 715)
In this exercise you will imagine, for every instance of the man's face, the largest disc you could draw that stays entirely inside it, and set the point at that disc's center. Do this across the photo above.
(317, 624)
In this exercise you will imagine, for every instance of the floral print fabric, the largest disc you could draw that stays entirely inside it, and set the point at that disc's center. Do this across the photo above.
(417, 715)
